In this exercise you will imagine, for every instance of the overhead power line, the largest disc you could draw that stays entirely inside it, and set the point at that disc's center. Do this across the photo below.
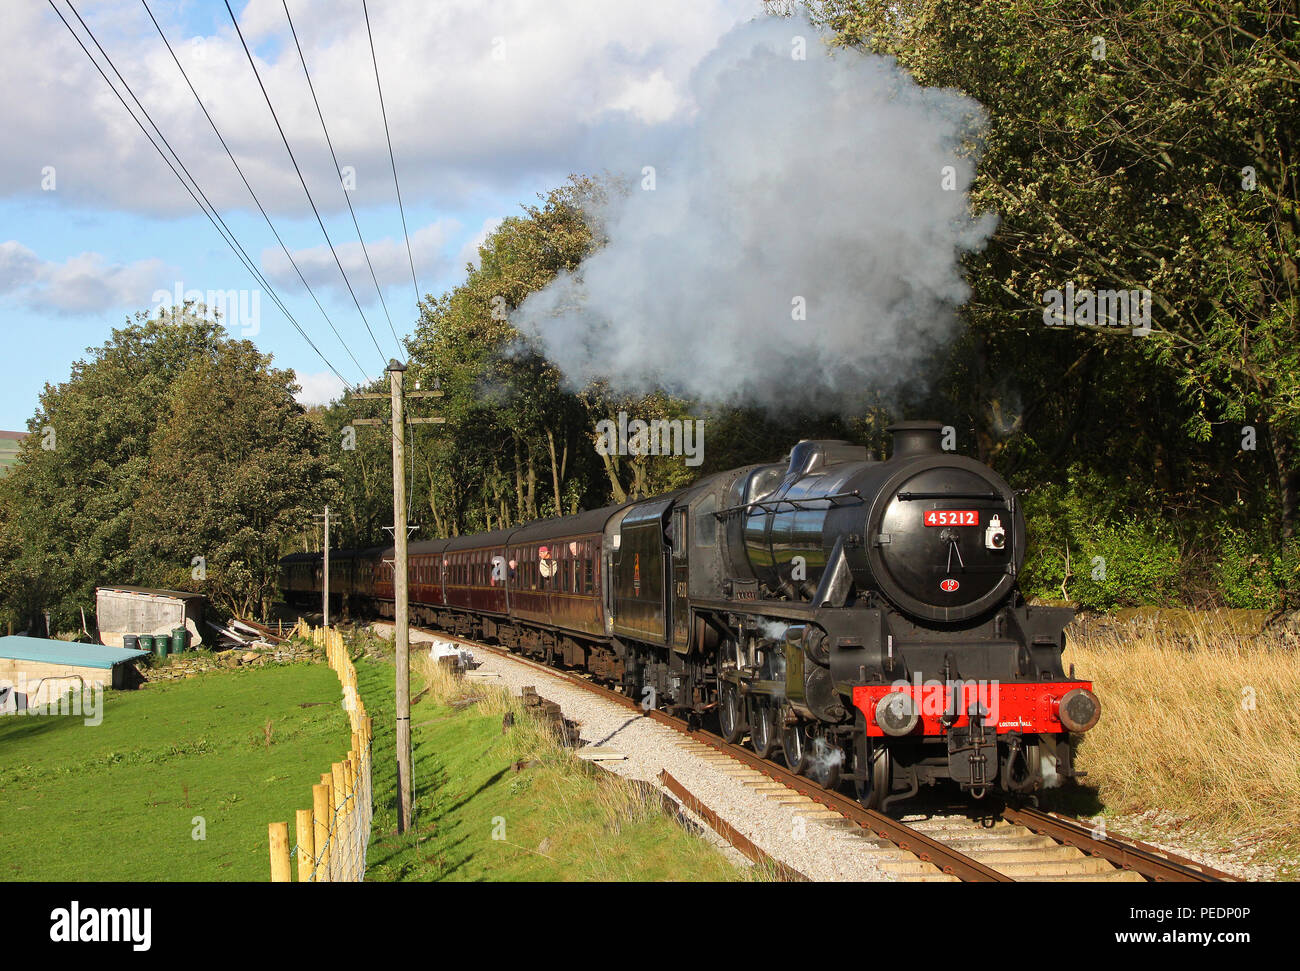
(196, 193)
(283, 137)
(256, 200)
(339, 169)
(384, 114)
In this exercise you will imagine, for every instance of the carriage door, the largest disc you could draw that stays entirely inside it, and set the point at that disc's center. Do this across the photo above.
(681, 608)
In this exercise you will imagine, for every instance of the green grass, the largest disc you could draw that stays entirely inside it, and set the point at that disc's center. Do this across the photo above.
(557, 819)
(118, 801)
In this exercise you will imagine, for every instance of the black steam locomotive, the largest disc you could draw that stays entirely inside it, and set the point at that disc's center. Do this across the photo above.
(859, 617)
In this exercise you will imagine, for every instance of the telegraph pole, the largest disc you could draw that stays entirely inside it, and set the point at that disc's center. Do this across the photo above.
(325, 585)
(325, 607)
(401, 590)
(401, 619)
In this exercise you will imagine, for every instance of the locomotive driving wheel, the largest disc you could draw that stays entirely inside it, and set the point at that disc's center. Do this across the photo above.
(794, 744)
(731, 719)
(731, 707)
(763, 729)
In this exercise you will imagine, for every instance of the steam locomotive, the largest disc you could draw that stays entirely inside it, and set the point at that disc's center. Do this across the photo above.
(859, 617)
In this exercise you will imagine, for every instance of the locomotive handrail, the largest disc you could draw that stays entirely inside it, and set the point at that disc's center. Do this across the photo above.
(764, 504)
(990, 496)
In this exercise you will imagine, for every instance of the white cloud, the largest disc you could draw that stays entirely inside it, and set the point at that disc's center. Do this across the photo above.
(652, 99)
(479, 96)
(387, 255)
(85, 283)
(468, 254)
(319, 389)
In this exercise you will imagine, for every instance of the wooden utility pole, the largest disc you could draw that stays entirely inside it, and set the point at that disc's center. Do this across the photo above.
(325, 568)
(401, 618)
(401, 589)
(325, 607)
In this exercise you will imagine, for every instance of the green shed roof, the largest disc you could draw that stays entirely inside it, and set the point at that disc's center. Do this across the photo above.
(64, 652)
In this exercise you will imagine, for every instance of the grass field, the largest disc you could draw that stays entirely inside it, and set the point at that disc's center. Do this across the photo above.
(1197, 722)
(122, 800)
(556, 819)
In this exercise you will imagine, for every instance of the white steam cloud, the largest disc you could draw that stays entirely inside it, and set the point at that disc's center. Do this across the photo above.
(820, 181)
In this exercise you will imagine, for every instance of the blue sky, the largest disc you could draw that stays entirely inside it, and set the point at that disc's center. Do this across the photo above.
(490, 102)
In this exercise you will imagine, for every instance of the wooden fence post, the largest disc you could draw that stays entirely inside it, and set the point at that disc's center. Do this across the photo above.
(306, 844)
(323, 807)
(279, 838)
(340, 821)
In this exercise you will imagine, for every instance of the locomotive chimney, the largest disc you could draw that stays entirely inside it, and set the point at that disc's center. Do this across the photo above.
(915, 438)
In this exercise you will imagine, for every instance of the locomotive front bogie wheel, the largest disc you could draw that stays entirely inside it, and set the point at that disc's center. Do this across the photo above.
(824, 760)
(763, 734)
(875, 790)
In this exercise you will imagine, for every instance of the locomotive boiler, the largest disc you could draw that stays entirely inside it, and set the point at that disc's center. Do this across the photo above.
(859, 619)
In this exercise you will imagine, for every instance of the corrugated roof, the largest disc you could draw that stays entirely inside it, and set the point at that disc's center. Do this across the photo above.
(64, 652)
(150, 591)
(9, 444)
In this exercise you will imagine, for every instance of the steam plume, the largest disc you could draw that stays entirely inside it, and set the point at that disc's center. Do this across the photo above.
(819, 179)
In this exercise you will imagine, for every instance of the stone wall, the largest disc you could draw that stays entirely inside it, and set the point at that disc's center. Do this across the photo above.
(188, 667)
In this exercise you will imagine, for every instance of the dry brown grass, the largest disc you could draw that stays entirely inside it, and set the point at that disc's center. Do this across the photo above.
(1200, 723)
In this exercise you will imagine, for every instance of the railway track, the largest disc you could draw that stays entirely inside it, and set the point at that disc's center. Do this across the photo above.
(1006, 844)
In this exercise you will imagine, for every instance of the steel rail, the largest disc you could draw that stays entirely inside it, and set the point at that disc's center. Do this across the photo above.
(1127, 854)
(724, 829)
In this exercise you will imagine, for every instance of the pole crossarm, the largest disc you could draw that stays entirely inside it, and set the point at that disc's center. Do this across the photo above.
(409, 421)
(378, 395)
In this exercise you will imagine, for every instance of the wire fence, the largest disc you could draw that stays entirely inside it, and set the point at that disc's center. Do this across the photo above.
(333, 835)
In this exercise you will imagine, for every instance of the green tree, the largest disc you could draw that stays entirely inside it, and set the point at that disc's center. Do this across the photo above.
(66, 509)
(168, 442)
(1145, 145)
(236, 469)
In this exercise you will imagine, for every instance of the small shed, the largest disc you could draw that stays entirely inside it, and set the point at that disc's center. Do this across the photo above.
(35, 671)
(140, 610)
(10, 443)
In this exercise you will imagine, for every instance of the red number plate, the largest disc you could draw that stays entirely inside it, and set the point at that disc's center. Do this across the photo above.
(952, 517)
